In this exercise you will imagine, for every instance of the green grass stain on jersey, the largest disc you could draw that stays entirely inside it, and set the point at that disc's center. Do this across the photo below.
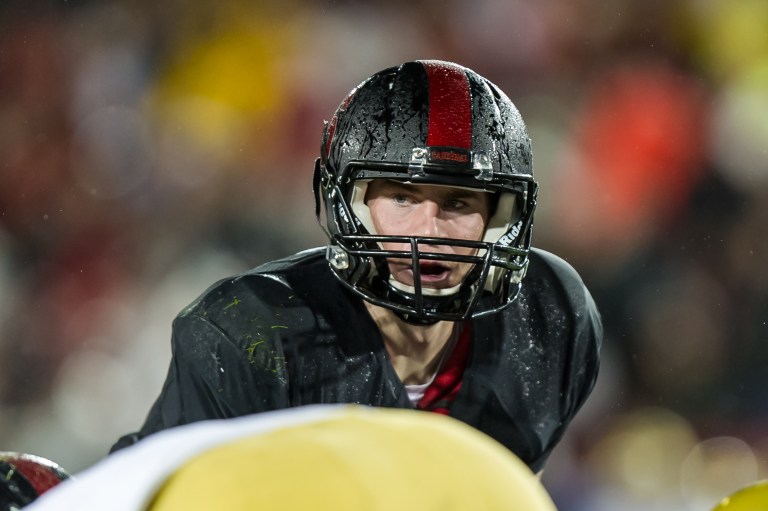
(251, 349)
(235, 302)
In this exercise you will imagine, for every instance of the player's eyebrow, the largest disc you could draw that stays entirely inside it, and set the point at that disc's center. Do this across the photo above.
(397, 185)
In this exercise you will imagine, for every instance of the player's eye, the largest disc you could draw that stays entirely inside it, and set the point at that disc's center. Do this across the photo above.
(454, 204)
(401, 199)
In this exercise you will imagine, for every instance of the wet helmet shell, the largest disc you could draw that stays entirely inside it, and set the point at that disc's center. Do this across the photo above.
(24, 477)
(438, 123)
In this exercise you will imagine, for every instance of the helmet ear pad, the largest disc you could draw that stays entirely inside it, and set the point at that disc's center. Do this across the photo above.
(506, 214)
(359, 205)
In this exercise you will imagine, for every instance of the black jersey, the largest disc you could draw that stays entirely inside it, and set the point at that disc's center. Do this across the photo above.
(288, 334)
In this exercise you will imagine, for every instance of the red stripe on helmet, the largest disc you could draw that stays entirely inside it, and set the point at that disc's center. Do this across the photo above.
(450, 108)
(41, 477)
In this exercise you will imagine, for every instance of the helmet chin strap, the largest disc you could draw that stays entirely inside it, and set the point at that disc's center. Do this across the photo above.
(413, 320)
(401, 293)
(425, 291)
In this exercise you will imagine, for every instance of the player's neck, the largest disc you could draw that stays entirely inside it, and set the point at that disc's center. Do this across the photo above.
(414, 350)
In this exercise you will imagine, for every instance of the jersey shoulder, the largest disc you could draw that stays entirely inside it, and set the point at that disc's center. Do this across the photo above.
(293, 295)
(554, 284)
(271, 284)
(547, 270)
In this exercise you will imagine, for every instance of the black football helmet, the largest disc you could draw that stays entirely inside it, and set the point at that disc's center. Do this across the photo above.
(24, 477)
(427, 122)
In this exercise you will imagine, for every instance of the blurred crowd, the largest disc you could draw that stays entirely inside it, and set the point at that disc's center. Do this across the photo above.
(148, 149)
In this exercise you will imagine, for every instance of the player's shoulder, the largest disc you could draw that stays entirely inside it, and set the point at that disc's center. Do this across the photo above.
(544, 261)
(549, 271)
(269, 284)
(558, 292)
(306, 260)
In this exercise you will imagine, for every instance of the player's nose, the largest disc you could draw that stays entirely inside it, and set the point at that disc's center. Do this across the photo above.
(427, 222)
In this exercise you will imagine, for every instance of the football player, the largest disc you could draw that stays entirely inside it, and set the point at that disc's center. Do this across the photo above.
(428, 295)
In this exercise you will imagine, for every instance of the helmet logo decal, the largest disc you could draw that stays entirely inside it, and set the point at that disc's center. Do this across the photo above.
(449, 155)
(450, 108)
(509, 238)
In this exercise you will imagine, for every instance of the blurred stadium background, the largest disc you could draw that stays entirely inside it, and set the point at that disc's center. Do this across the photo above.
(149, 148)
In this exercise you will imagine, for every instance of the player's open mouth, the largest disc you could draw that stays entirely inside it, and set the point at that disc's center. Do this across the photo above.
(433, 273)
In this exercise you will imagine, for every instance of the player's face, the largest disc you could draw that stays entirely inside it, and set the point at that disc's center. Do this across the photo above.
(433, 211)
